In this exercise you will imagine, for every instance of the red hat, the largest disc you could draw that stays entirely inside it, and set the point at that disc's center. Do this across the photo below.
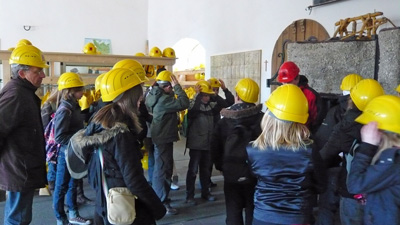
(288, 72)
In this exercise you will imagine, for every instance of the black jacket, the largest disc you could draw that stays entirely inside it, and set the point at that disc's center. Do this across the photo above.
(245, 114)
(22, 146)
(340, 141)
(122, 168)
(380, 182)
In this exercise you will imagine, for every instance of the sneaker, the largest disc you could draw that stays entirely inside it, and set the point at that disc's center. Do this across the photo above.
(209, 197)
(191, 201)
(170, 210)
(174, 186)
(79, 220)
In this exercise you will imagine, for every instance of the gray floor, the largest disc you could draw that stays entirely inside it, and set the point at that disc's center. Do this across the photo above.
(204, 213)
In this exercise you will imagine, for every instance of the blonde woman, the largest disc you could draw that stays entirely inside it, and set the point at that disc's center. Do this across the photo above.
(284, 163)
(376, 165)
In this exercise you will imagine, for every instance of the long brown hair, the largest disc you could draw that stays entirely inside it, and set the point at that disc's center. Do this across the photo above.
(124, 110)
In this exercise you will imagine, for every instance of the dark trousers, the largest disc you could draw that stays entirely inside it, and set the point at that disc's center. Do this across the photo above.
(199, 160)
(163, 165)
(237, 198)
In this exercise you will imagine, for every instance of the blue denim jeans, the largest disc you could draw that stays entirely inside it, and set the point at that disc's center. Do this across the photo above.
(18, 208)
(65, 186)
(148, 143)
(51, 171)
(163, 166)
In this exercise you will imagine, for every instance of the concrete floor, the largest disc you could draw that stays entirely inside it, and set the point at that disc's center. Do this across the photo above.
(204, 213)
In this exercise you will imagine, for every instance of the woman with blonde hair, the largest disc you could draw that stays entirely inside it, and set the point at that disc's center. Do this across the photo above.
(376, 164)
(289, 172)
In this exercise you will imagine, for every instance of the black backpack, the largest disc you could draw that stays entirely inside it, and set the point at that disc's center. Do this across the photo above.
(235, 165)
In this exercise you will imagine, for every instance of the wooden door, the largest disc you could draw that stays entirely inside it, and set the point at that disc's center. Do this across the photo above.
(298, 31)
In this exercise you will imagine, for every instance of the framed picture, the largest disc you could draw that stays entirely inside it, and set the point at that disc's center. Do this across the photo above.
(102, 45)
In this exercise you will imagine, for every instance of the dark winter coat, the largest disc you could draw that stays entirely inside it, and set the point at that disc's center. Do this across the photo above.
(341, 141)
(380, 182)
(222, 103)
(67, 121)
(122, 168)
(246, 114)
(287, 183)
(164, 107)
(22, 146)
(200, 123)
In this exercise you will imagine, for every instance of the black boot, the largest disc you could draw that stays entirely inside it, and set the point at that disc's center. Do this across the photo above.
(81, 199)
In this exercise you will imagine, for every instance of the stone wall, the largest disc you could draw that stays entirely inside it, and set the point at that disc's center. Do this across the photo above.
(326, 63)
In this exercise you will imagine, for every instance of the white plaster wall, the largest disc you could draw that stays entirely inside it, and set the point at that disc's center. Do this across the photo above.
(228, 26)
(62, 26)
(221, 26)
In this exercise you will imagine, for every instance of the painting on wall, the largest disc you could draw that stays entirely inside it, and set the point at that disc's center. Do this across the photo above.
(103, 45)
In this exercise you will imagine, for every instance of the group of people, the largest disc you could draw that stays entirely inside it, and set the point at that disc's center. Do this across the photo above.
(274, 163)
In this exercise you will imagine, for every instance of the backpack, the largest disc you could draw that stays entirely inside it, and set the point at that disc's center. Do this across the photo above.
(235, 165)
(52, 148)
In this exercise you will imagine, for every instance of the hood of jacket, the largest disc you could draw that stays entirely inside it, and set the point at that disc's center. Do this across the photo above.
(84, 143)
(241, 111)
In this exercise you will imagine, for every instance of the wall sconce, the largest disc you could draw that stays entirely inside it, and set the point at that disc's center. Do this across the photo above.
(27, 27)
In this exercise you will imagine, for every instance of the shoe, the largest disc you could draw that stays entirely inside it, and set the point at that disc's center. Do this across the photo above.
(209, 197)
(170, 210)
(174, 186)
(83, 200)
(191, 201)
(79, 220)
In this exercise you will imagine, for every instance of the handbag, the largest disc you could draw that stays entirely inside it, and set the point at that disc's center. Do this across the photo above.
(120, 201)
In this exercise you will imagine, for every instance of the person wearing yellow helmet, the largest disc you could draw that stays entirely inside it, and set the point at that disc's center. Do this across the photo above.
(113, 136)
(200, 120)
(328, 202)
(374, 170)
(240, 124)
(67, 120)
(161, 102)
(342, 141)
(23, 158)
(282, 158)
(215, 85)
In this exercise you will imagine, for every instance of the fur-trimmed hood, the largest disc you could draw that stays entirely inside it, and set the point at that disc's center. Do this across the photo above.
(83, 141)
(240, 113)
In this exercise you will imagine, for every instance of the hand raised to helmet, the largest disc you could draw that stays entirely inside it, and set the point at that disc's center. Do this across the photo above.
(174, 80)
(222, 84)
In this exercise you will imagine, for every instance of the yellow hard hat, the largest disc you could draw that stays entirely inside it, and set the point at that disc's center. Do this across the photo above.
(214, 82)
(164, 76)
(69, 80)
(145, 162)
(150, 71)
(385, 110)
(97, 82)
(205, 87)
(350, 81)
(169, 52)
(84, 102)
(155, 52)
(288, 103)
(133, 65)
(140, 54)
(28, 55)
(398, 88)
(247, 90)
(23, 42)
(90, 49)
(116, 82)
(364, 91)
